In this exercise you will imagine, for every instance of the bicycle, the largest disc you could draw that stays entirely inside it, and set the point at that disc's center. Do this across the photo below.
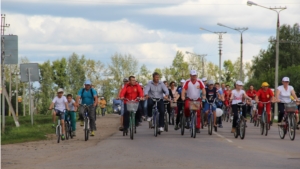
(194, 106)
(182, 119)
(86, 124)
(240, 124)
(210, 117)
(173, 109)
(58, 129)
(68, 126)
(155, 117)
(255, 118)
(264, 125)
(132, 107)
(166, 127)
(288, 122)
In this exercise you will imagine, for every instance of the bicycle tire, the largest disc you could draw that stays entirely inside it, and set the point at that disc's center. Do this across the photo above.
(194, 126)
(236, 132)
(281, 130)
(262, 124)
(242, 129)
(155, 127)
(292, 126)
(210, 125)
(58, 133)
(166, 121)
(266, 125)
(202, 120)
(70, 131)
(67, 130)
(182, 124)
(86, 129)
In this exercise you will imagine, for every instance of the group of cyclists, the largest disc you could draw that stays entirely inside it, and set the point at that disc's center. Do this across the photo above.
(207, 92)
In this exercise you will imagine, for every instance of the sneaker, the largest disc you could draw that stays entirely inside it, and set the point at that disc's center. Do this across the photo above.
(53, 125)
(121, 128)
(220, 126)
(161, 129)
(176, 127)
(81, 123)
(149, 119)
(73, 133)
(197, 130)
(62, 137)
(92, 133)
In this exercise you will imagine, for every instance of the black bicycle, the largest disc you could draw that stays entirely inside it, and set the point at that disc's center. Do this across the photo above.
(68, 126)
(240, 124)
(86, 125)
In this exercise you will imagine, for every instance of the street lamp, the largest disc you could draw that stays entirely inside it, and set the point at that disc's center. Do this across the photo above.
(277, 10)
(241, 30)
(201, 56)
(220, 48)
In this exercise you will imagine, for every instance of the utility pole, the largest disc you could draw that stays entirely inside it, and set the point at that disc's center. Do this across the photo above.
(220, 34)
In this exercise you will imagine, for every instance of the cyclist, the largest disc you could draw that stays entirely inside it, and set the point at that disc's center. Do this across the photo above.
(156, 89)
(192, 88)
(61, 104)
(227, 95)
(130, 91)
(72, 113)
(88, 97)
(167, 101)
(283, 95)
(219, 102)
(102, 104)
(264, 95)
(179, 103)
(212, 93)
(237, 96)
(251, 93)
(125, 82)
(204, 80)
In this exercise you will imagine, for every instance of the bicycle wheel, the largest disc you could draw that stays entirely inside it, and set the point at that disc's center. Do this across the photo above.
(242, 129)
(266, 125)
(182, 123)
(166, 121)
(58, 129)
(236, 132)
(86, 129)
(292, 126)
(202, 120)
(155, 126)
(194, 126)
(210, 124)
(262, 124)
(281, 130)
(227, 116)
(70, 130)
(67, 130)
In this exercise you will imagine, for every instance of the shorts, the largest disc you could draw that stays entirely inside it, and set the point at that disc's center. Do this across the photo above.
(207, 105)
(60, 114)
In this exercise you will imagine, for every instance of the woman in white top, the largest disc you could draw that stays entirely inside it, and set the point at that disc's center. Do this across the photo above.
(237, 96)
(283, 95)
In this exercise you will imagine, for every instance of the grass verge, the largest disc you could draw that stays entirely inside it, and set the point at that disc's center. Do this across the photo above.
(26, 131)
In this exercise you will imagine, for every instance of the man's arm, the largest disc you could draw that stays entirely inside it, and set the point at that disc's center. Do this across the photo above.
(95, 100)
(51, 106)
(203, 93)
(183, 94)
(77, 101)
(147, 89)
(166, 90)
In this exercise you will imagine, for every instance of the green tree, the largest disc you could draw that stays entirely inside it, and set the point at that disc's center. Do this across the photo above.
(46, 86)
(59, 73)
(144, 75)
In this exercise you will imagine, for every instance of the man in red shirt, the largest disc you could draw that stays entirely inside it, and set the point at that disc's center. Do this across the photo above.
(251, 92)
(130, 91)
(192, 88)
(264, 95)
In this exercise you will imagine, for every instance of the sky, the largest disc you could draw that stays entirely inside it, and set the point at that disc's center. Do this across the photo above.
(150, 30)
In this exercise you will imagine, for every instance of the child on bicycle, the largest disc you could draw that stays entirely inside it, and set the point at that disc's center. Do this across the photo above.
(71, 113)
(60, 105)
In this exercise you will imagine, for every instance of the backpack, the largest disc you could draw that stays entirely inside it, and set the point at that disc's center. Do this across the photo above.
(91, 89)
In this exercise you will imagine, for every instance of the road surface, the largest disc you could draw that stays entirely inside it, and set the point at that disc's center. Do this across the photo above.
(171, 150)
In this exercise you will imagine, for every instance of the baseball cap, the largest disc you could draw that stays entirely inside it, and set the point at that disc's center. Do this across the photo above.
(125, 80)
(141, 84)
(60, 90)
(239, 83)
(193, 72)
(87, 82)
(286, 79)
(204, 79)
(210, 82)
(182, 81)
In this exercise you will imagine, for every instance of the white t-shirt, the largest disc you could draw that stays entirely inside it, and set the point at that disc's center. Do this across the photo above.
(71, 105)
(193, 89)
(59, 103)
(285, 95)
(237, 96)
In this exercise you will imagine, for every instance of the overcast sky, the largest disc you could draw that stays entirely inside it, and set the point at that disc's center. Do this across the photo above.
(150, 30)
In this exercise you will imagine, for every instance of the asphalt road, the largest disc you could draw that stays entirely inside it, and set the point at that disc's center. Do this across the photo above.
(171, 150)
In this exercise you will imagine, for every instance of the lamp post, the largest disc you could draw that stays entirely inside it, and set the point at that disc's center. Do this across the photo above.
(241, 30)
(277, 10)
(220, 48)
(202, 59)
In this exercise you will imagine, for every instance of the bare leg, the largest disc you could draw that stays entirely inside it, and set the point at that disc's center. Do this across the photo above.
(62, 122)
(215, 118)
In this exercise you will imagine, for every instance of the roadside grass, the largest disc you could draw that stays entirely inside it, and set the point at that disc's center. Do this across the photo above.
(27, 132)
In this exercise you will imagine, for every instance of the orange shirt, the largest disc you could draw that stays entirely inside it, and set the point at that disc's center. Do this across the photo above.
(264, 96)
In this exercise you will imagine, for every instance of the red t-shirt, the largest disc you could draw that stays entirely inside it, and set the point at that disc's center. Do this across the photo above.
(227, 94)
(131, 92)
(251, 93)
(264, 96)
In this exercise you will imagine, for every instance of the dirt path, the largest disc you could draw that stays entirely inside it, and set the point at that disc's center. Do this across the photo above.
(26, 155)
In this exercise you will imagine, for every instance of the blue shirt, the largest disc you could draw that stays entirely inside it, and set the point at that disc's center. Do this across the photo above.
(86, 97)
